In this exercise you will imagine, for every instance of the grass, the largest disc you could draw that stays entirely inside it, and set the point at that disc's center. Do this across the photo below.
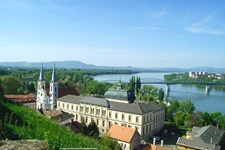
(32, 125)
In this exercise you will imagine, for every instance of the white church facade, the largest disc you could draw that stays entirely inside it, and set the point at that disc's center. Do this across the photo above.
(43, 100)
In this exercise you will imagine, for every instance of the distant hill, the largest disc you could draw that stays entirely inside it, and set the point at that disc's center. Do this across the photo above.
(81, 65)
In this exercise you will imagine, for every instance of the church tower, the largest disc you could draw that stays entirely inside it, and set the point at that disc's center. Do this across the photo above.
(53, 90)
(40, 89)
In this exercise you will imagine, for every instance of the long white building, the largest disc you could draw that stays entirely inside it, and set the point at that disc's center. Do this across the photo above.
(118, 107)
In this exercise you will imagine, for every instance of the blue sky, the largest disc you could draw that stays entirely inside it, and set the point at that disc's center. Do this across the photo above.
(139, 33)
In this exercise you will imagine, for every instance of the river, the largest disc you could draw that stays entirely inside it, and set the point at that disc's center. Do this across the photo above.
(214, 101)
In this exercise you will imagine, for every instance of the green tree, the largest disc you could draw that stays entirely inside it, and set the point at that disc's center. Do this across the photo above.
(10, 84)
(160, 94)
(172, 109)
(221, 122)
(1, 89)
(138, 84)
(132, 84)
(179, 118)
(93, 130)
(215, 118)
(206, 118)
(106, 140)
(187, 106)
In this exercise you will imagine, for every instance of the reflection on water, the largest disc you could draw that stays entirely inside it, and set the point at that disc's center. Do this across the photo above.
(212, 101)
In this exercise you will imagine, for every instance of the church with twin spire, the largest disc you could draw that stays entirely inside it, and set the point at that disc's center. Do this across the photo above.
(45, 101)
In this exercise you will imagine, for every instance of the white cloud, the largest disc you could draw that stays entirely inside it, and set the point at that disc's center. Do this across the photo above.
(160, 13)
(206, 26)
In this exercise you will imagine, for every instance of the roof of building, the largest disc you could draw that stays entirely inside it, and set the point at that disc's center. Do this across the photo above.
(85, 99)
(120, 94)
(57, 115)
(204, 137)
(62, 91)
(53, 75)
(41, 76)
(154, 147)
(121, 133)
(137, 107)
(22, 98)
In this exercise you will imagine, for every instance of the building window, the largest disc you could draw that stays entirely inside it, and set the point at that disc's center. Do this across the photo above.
(97, 111)
(137, 119)
(103, 112)
(103, 123)
(58, 104)
(67, 106)
(86, 119)
(110, 123)
(110, 114)
(71, 107)
(97, 121)
(81, 108)
(76, 108)
(55, 89)
(122, 116)
(86, 109)
(63, 105)
(130, 118)
(116, 116)
(92, 110)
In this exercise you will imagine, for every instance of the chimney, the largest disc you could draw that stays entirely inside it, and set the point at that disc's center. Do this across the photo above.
(211, 141)
(162, 143)
(154, 139)
(215, 132)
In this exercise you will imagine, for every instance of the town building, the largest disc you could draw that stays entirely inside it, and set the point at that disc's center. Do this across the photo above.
(28, 100)
(128, 138)
(43, 100)
(46, 97)
(202, 138)
(117, 107)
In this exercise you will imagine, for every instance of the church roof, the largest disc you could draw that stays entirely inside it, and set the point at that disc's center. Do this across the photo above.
(54, 75)
(63, 91)
(41, 76)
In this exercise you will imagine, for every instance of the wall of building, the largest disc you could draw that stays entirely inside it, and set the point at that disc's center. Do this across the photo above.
(147, 124)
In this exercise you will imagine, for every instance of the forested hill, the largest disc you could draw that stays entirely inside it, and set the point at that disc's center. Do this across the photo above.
(81, 65)
(61, 64)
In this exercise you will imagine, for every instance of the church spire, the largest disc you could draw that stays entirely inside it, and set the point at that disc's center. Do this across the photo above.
(41, 77)
(53, 75)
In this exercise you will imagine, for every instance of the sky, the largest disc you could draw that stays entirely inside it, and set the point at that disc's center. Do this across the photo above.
(138, 33)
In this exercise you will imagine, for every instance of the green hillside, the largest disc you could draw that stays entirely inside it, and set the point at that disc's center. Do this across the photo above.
(32, 125)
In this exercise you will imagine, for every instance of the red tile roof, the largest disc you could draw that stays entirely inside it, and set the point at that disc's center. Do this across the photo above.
(63, 91)
(121, 133)
(22, 98)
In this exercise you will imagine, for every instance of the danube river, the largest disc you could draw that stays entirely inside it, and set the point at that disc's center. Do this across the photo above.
(212, 102)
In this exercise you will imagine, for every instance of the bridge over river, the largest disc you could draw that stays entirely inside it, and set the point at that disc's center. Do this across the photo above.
(168, 83)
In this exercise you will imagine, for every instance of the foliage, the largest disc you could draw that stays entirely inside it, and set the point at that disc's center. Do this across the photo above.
(32, 125)
(160, 94)
(1, 89)
(132, 84)
(138, 84)
(111, 143)
(10, 84)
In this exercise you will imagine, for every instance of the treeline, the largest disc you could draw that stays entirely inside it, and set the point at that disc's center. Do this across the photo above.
(184, 77)
(182, 113)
